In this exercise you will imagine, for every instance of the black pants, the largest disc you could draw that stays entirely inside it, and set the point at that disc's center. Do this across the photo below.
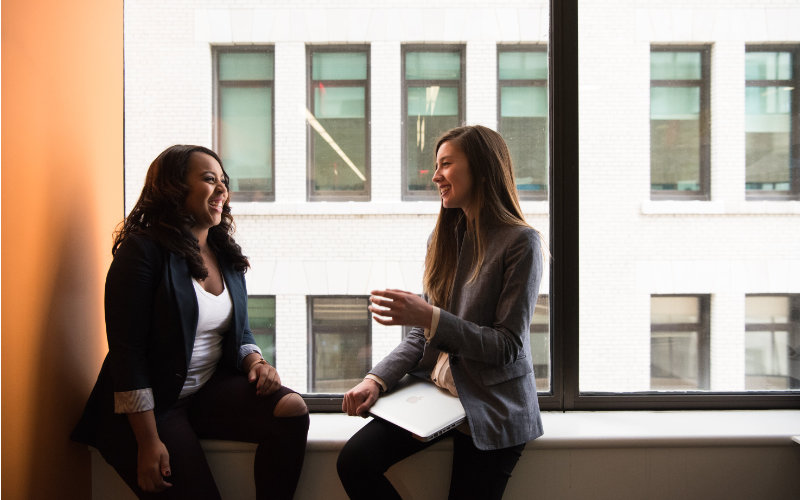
(225, 408)
(476, 474)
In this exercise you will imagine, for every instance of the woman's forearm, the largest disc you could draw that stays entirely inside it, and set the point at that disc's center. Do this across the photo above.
(144, 427)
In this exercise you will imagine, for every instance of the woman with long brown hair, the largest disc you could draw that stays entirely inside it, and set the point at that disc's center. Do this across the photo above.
(182, 363)
(471, 332)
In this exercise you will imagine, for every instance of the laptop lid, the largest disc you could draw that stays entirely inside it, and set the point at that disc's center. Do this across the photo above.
(418, 406)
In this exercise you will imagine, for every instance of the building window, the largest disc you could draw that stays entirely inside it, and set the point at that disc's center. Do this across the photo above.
(244, 120)
(772, 123)
(540, 343)
(772, 342)
(340, 341)
(679, 123)
(679, 342)
(338, 125)
(261, 313)
(522, 115)
(433, 102)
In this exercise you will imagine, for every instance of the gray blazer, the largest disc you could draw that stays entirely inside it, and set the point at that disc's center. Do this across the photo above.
(486, 332)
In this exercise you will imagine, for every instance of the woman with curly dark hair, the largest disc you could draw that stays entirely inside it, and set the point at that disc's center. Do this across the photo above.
(182, 362)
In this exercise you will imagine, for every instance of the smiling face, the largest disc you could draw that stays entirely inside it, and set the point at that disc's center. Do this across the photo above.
(207, 191)
(453, 177)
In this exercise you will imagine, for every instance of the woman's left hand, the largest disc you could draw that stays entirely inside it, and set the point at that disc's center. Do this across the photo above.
(265, 377)
(398, 307)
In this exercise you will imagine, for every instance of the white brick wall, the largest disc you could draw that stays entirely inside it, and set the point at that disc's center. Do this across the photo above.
(630, 247)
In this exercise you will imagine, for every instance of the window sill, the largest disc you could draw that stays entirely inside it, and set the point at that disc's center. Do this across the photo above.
(695, 207)
(585, 430)
(358, 208)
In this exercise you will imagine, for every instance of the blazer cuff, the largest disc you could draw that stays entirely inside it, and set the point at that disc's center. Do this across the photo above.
(246, 350)
(429, 333)
(134, 401)
(378, 380)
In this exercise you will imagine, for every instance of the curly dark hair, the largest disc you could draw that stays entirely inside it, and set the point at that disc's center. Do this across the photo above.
(160, 213)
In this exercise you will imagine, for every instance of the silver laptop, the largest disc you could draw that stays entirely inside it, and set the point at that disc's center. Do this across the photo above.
(420, 407)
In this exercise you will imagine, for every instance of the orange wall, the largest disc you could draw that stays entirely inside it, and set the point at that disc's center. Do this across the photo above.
(62, 195)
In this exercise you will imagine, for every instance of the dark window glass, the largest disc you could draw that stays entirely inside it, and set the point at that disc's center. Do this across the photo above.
(679, 343)
(340, 342)
(261, 313)
(679, 129)
(433, 101)
(540, 344)
(772, 342)
(244, 112)
(338, 124)
(771, 123)
(522, 107)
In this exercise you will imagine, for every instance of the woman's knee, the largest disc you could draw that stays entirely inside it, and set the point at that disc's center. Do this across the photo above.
(291, 405)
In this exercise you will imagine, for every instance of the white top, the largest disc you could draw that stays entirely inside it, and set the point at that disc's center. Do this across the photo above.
(213, 319)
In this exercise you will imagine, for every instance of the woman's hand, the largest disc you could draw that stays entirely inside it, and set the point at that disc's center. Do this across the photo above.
(265, 377)
(359, 399)
(398, 307)
(152, 466)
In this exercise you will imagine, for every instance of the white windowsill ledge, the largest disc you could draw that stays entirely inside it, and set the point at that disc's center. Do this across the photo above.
(623, 429)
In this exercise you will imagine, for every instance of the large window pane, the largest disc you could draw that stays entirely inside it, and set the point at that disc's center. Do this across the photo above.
(540, 344)
(341, 342)
(771, 145)
(772, 342)
(244, 121)
(522, 92)
(261, 313)
(671, 245)
(338, 128)
(679, 160)
(679, 343)
(433, 88)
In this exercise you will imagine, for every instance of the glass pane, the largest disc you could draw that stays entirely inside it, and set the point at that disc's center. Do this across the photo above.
(246, 66)
(421, 136)
(675, 66)
(644, 73)
(675, 155)
(772, 343)
(674, 103)
(261, 313)
(527, 142)
(673, 361)
(245, 130)
(432, 101)
(339, 155)
(339, 102)
(523, 101)
(768, 66)
(768, 138)
(522, 65)
(669, 310)
(342, 347)
(767, 309)
(540, 344)
(433, 65)
(339, 66)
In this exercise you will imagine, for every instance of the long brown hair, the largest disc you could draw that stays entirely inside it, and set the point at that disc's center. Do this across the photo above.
(493, 201)
(160, 212)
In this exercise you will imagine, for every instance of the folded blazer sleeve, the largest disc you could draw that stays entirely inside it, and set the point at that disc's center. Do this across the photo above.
(402, 359)
(130, 291)
(513, 292)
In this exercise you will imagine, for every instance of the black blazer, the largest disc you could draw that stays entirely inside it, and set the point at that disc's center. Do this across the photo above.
(151, 320)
